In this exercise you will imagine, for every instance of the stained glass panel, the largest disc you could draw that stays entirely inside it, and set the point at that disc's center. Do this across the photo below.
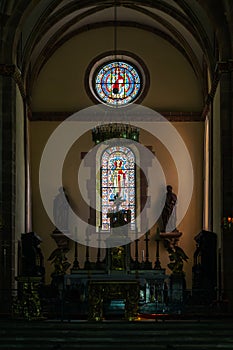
(118, 180)
(117, 83)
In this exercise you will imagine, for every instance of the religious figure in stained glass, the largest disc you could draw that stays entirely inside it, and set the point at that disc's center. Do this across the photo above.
(117, 83)
(118, 183)
(119, 177)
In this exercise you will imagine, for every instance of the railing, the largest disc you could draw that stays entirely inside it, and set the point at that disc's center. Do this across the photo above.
(66, 304)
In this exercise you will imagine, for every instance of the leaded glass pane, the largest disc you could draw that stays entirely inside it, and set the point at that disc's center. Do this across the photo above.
(117, 83)
(118, 179)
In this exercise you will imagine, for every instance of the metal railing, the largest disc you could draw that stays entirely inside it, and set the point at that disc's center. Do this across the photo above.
(69, 304)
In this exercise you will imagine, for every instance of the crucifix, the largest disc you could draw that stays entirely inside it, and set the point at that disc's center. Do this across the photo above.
(76, 262)
(117, 202)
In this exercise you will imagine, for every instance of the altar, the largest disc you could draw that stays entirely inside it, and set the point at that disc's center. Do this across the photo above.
(134, 290)
(118, 281)
(113, 289)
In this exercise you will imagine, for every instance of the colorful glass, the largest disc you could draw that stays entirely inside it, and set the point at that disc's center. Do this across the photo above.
(117, 180)
(117, 83)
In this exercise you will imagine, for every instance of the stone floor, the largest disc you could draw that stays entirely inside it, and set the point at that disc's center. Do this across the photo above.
(145, 333)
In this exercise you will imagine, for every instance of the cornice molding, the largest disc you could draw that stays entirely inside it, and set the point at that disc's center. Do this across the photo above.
(170, 116)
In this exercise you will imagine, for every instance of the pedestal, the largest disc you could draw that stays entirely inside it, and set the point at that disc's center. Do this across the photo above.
(61, 240)
(171, 235)
(177, 287)
(58, 258)
(27, 303)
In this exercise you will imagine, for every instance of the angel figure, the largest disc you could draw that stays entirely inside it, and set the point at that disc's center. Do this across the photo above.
(176, 255)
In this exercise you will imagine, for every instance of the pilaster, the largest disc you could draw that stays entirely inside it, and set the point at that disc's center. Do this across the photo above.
(7, 183)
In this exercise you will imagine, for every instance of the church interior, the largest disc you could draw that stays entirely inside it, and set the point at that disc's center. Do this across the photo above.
(116, 196)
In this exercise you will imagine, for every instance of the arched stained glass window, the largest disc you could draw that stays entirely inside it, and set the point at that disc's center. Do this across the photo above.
(117, 83)
(117, 180)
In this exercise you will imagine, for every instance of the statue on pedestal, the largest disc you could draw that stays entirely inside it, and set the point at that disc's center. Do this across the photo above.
(169, 212)
(176, 255)
(171, 235)
(32, 257)
(61, 210)
(61, 220)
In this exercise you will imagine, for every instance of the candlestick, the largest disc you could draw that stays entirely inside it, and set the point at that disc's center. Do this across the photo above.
(136, 262)
(98, 262)
(87, 263)
(157, 236)
(157, 261)
(76, 263)
(148, 264)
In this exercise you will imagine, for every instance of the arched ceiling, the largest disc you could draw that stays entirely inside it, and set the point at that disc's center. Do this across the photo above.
(37, 28)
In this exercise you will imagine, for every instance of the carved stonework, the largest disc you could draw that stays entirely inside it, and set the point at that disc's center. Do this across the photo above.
(61, 240)
(7, 69)
(221, 67)
(100, 290)
(58, 256)
(27, 304)
(225, 66)
(11, 70)
(118, 258)
(174, 235)
(176, 254)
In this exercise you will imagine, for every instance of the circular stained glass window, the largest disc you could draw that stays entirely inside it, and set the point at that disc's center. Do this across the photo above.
(117, 80)
(117, 83)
